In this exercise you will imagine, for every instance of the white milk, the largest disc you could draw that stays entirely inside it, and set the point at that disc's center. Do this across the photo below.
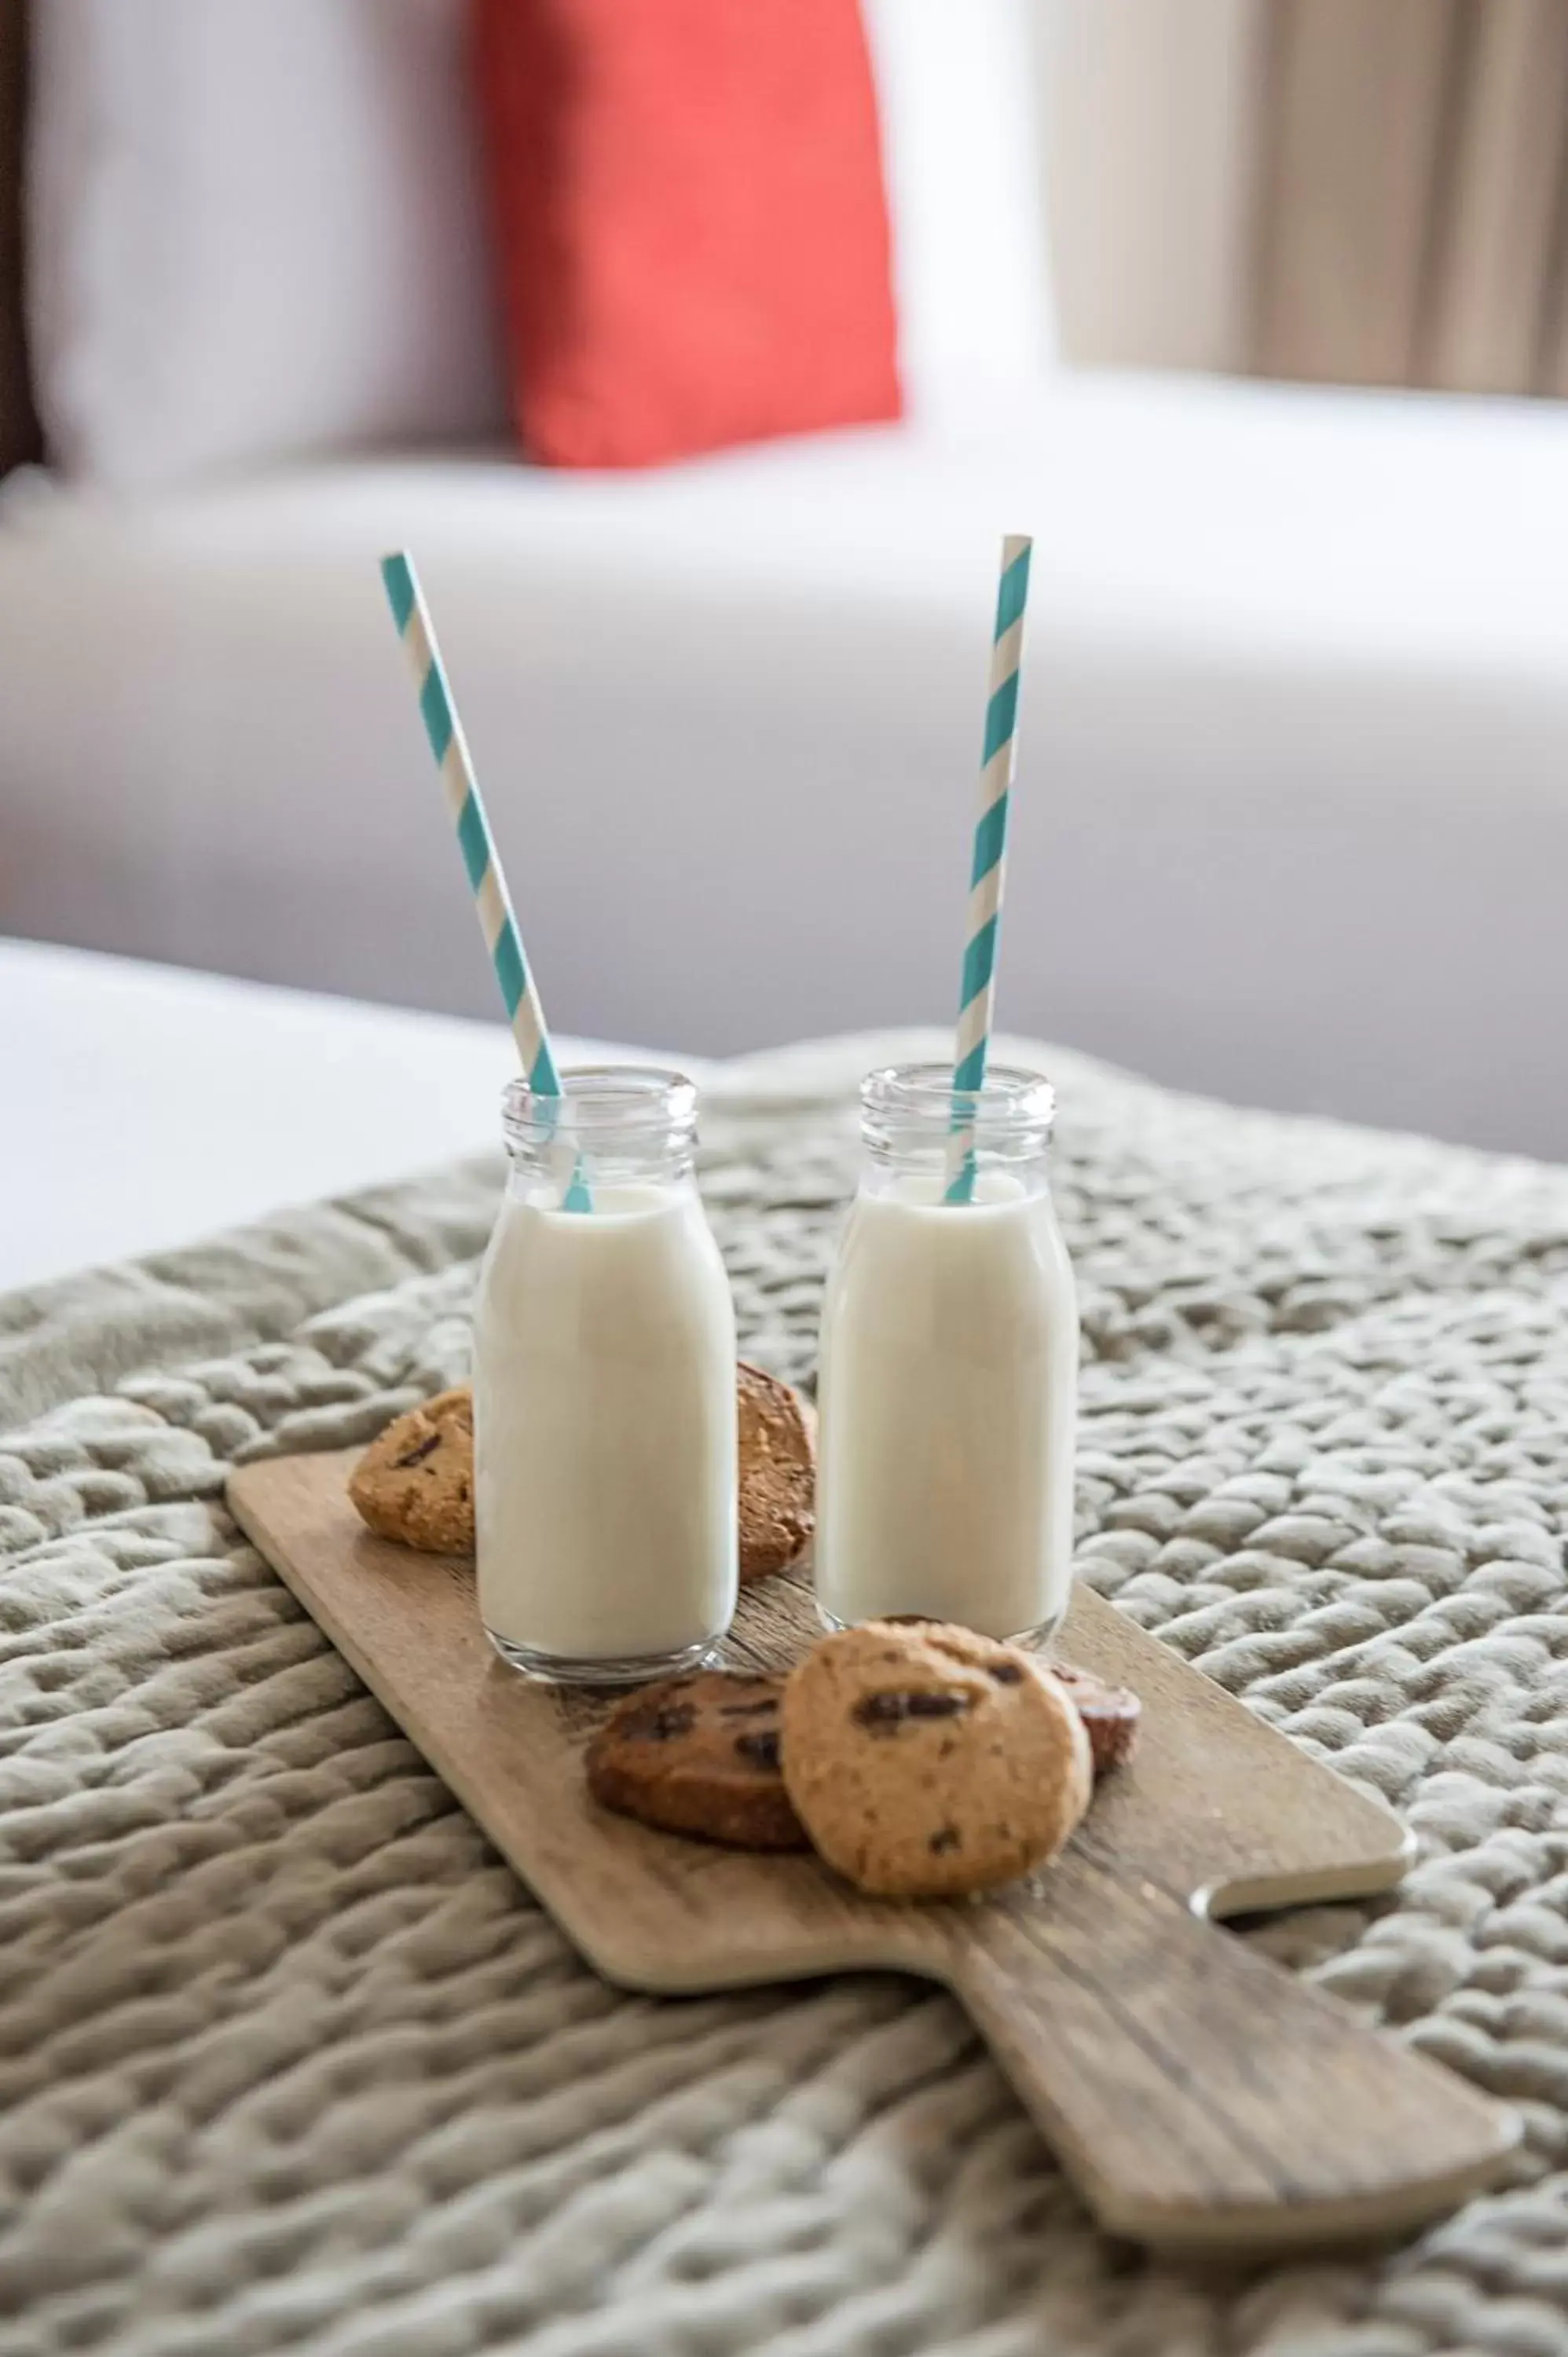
(946, 1400)
(605, 1431)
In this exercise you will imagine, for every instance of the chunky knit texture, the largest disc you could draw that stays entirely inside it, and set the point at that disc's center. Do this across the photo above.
(288, 2061)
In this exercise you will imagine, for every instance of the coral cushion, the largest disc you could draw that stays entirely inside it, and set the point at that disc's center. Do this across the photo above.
(691, 222)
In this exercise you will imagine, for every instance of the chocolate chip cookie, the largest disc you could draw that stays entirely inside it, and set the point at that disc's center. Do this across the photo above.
(699, 1755)
(415, 1483)
(1110, 1714)
(778, 1473)
(928, 1761)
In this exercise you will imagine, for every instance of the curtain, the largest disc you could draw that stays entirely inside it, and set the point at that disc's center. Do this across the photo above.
(1412, 193)
(18, 425)
(1355, 192)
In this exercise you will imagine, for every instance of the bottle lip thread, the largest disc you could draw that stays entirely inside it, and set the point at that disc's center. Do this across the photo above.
(1012, 1110)
(603, 1104)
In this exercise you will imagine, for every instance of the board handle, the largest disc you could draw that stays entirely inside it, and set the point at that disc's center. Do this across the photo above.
(1200, 2095)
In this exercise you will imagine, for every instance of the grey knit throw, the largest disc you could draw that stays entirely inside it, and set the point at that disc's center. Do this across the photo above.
(288, 2061)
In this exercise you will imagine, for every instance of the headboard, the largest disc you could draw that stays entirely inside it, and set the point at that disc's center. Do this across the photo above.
(19, 436)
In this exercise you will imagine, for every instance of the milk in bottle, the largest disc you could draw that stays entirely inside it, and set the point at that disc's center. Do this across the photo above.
(604, 1390)
(949, 1369)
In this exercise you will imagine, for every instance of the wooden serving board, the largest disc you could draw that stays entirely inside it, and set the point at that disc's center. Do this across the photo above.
(1200, 2097)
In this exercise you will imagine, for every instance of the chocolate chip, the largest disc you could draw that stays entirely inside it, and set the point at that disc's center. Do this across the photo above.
(937, 1705)
(761, 1748)
(663, 1726)
(762, 1709)
(1007, 1673)
(886, 1710)
(421, 1450)
(946, 1837)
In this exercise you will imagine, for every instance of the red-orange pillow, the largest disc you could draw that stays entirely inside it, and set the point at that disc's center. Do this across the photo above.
(691, 222)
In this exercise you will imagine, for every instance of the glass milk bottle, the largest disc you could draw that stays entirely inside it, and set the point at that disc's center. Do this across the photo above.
(946, 1398)
(604, 1390)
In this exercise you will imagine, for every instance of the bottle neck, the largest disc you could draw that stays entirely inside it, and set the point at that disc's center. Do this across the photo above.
(919, 1132)
(916, 1175)
(610, 1128)
(543, 1170)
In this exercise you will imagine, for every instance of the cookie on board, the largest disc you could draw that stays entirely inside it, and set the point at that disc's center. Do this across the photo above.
(778, 1473)
(416, 1482)
(411, 1487)
(1110, 1714)
(928, 1762)
(699, 1755)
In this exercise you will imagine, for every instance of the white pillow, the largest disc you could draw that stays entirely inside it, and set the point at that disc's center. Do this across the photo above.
(254, 228)
(958, 90)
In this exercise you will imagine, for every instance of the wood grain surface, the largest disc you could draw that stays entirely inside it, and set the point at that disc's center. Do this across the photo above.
(1200, 2097)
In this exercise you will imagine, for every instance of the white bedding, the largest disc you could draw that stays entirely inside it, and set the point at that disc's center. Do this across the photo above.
(288, 2061)
(141, 1106)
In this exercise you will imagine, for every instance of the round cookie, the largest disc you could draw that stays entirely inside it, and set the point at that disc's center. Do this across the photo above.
(699, 1755)
(926, 1762)
(1110, 1714)
(778, 1473)
(415, 1483)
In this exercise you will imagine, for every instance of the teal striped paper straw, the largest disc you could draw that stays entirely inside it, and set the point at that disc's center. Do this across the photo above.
(486, 879)
(978, 995)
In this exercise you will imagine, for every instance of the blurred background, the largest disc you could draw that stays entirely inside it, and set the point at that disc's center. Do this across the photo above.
(1253, 312)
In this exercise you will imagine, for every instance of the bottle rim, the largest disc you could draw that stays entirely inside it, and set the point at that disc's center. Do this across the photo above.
(1012, 1105)
(601, 1104)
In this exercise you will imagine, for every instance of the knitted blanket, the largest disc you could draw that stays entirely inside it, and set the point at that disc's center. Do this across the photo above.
(289, 2062)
